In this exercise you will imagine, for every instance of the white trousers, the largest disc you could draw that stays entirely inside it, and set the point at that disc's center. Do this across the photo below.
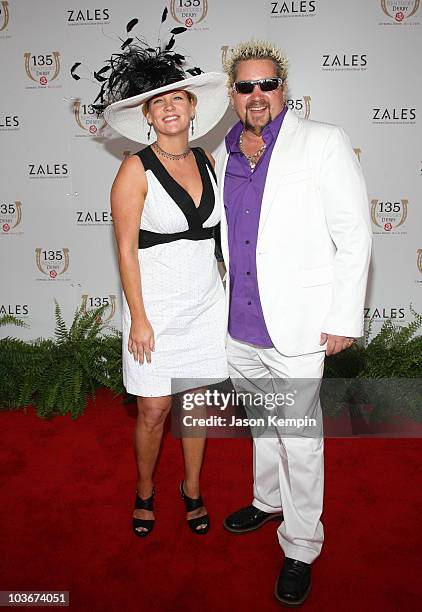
(288, 471)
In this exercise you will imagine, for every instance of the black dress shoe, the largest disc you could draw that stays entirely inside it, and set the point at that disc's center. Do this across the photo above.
(249, 519)
(294, 582)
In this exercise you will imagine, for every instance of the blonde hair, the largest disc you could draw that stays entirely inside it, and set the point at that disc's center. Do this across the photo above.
(255, 50)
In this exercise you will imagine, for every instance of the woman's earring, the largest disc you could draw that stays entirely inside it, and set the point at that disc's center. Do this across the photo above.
(149, 131)
(191, 125)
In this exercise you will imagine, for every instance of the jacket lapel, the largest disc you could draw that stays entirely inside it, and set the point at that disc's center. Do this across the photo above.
(280, 162)
(221, 159)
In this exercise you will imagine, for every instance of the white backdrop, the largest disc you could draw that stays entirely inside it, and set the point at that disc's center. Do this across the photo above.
(352, 63)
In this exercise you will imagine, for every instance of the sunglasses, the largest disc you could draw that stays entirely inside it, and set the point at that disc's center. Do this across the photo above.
(247, 87)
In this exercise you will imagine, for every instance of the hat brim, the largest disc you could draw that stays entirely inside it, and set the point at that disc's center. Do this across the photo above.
(127, 118)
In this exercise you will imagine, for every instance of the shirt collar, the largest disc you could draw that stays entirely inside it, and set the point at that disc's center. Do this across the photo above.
(269, 133)
(232, 138)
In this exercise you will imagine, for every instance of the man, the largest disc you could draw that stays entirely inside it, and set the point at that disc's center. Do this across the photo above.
(296, 239)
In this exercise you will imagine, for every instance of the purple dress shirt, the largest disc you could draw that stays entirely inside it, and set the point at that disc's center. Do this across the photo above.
(243, 191)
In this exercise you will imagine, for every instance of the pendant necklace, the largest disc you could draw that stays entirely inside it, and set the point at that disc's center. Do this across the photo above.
(252, 159)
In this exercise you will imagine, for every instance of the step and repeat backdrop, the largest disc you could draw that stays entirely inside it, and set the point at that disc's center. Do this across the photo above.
(352, 63)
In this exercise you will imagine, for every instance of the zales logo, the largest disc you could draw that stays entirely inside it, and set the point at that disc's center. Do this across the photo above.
(343, 61)
(16, 310)
(389, 215)
(48, 171)
(90, 302)
(383, 313)
(88, 16)
(10, 217)
(392, 116)
(189, 12)
(298, 8)
(4, 15)
(400, 10)
(9, 123)
(93, 217)
(87, 119)
(52, 263)
(43, 68)
(301, 106)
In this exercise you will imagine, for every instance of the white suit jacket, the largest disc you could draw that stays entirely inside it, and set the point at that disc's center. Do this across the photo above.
(314, 237)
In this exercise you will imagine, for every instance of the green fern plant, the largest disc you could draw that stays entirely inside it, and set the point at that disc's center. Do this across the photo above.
(57, 376)
(12, 320)
(368, 373)
(15, 355)
(75, 366)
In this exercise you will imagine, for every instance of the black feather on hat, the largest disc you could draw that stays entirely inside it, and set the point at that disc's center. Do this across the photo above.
(138, 68)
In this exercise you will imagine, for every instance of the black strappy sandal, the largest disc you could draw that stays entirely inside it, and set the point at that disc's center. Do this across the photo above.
(193, 504)
(146, 524)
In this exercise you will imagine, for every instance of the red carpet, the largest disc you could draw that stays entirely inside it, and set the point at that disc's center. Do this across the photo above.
(68, 489)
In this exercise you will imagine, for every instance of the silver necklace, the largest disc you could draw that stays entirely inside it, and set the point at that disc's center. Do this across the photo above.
(252, 159)
(168, 155)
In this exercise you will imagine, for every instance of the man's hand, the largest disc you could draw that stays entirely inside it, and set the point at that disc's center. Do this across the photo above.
(335, 344)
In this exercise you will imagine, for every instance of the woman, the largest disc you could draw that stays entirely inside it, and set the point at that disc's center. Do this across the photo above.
(165, 205)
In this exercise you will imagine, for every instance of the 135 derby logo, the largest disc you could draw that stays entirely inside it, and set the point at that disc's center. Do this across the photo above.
(294, 8)
(419, 261)
(4, 15)
(400, 12)
(48, 170)
(225, 51)
(91, 302)
(189, 12)
(301, 106)
(87, 119)
(52, 263)
(389, 216)
(393, 116)
(10, 217)
(43, 68)
(344, 61)
(88, 16)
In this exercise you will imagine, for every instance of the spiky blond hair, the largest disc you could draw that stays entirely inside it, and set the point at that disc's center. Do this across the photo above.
(255, 50)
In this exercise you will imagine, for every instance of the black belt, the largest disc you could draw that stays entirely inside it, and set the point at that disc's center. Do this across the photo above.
(148, 239)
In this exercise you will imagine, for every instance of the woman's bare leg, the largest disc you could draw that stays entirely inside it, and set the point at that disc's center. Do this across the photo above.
(193, 454)
(152, 413)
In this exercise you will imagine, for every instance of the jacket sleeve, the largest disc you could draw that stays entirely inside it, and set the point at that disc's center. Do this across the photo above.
(220, 155)
(345, 201)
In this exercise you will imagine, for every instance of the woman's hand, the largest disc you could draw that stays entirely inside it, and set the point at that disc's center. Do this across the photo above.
(141, 340)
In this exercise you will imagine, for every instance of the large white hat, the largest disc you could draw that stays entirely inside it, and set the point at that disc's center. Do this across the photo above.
(210, 89)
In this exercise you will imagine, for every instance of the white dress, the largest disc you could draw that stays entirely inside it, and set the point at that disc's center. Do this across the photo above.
(182, 290)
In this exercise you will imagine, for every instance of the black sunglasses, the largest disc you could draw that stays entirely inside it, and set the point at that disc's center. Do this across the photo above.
(247, 87)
